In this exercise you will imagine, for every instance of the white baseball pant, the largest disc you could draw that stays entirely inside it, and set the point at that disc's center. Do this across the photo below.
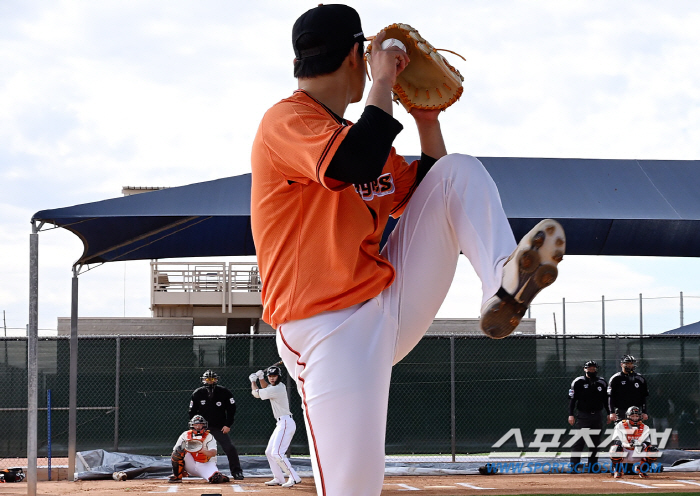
(342, 359)
(277, 448)
(199, 469)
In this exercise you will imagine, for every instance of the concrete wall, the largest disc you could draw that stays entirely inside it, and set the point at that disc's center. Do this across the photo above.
(471, 326)
(100, 326)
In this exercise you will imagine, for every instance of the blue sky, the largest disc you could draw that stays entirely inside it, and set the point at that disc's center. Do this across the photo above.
(99, 95)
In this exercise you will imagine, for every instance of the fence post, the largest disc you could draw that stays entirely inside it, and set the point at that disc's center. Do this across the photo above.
(563, 316)
(681, 308)
(602, 311)
(73, 377)
(48, 431)
(32, 361)
(641, 322)
(453, 398)
(117, 373)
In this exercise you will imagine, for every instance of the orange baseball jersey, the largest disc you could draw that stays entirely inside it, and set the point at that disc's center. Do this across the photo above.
(630, 434)
(317, 243)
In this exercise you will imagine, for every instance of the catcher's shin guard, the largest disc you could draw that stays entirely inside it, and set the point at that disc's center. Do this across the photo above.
(218, 478)
(178, 461)
(616, 452)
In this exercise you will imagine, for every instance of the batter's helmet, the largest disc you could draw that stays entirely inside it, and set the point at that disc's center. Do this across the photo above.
(591, 363)
(628, 359)
(634, 410)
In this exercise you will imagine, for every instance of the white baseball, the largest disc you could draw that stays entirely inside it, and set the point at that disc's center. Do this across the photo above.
(393, 42)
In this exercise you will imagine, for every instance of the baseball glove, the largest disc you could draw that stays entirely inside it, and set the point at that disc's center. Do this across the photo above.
(193, 445)
(428, 81)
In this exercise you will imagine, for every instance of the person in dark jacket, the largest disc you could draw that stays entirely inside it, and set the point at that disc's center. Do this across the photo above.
(216, 404)
(589, 395)
(627, 388)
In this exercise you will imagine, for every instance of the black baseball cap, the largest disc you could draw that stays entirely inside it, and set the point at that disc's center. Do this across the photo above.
(330, 28)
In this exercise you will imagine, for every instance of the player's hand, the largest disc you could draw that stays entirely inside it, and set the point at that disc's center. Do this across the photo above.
(645, 416)
(253, 377)
(260, 374)
(386, 64)
(612, 417)
(225, 429)
(608, 418)
(424, 115)
(572, 420)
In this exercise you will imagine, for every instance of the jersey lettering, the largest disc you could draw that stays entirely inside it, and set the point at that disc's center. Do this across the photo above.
(382, 186)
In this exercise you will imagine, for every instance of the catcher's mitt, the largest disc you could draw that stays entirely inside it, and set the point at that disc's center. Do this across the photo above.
(193, 445)
(428, 81)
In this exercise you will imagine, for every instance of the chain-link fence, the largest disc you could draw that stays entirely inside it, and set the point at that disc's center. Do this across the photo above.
(452, 395)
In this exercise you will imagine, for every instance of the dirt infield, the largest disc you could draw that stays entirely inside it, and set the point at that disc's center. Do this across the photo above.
(393, 486)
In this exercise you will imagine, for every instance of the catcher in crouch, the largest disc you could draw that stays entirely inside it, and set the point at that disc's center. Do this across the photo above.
(271, 388)
(195, 453)
(631, 443)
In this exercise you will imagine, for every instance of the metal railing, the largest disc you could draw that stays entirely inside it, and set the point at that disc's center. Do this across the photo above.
(223, 278)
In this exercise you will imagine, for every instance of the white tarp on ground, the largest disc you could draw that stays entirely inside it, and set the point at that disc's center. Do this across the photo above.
(100, 464)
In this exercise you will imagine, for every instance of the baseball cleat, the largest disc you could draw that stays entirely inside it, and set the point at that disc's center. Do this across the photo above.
(642, 475)
(273, 482)
(529, 269)
(617, 475)
(291, 482)
(238, 476)
(175, 480)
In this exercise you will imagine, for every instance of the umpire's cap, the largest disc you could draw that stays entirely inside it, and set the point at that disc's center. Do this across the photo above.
(590, 363)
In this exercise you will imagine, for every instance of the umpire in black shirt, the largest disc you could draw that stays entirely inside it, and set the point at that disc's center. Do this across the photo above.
(589, 395)
(627, 388)
(216, 404)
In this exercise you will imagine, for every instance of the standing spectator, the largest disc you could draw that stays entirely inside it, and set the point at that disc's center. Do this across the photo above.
(216, 404)
(589, 395)
(627, 388)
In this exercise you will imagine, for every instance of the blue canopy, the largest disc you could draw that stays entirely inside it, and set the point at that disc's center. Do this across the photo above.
(607, 207)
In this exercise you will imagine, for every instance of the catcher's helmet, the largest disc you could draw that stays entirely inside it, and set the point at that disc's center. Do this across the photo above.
(197, 420)
(591, 363)
(210, 378)
(637, 412)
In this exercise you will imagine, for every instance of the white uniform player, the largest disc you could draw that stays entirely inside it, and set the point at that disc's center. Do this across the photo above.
(201, 463)
(632, 444)
(276, 450)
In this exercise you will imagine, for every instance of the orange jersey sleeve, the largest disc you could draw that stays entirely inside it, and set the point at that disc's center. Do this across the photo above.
(301, 137)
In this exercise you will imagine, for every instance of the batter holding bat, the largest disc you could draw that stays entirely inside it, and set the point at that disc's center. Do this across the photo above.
(271, 388)
(323, 189)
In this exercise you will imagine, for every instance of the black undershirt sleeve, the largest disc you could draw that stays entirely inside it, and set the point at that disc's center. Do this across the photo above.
(361, 156)
(426, 162)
